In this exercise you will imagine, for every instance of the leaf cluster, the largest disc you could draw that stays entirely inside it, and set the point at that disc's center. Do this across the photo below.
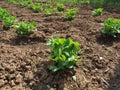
(36, 8)
(24, 27)
(70, 14)
(24, 3)
(111, 27)
(97, 12)
(64, 53)
(60, 7)
(9, 21)
(6, 18)
(12, 1)
(53, 10)
(50, 11)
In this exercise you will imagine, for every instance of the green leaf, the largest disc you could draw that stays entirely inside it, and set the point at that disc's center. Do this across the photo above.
(97, 12)
(53, 68)
(70, 14)
(24, 27)
(111, 27)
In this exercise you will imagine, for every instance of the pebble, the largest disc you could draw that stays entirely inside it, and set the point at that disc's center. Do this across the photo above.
(2, 82)
(19, 78)
(101, 58)
(12, 83)
(29, 75)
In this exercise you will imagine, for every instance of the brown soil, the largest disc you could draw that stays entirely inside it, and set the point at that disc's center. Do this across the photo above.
(24, 61)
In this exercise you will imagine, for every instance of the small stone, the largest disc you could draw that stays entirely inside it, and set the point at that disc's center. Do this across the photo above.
(19, 78)
(2, 76)
(23, 63)
(1, 68)
(12, 83)
(52, 89)
(29, 75)
(74, 78)
(28, 67)
(6, 66)
(48, 51)
(31, 83)
(35, 70)
(101, 58)
(11, 76)
(2, 82)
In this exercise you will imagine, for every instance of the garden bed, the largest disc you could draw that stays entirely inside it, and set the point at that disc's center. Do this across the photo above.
(24, 61)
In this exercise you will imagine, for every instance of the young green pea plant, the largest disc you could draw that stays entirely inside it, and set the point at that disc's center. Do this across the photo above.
(24, 3)
(25, 28)
(54, 11)
(3, 13)
(97, 12)
(70, 14)
(60, 7)
(47, 6)
(36, 8)
(12, 1)
(63, 53)
(9, 21)
(48, 12)
(6, 18)
(111, 27)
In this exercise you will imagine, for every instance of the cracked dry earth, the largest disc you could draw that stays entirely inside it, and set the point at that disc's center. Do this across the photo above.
(24, 61)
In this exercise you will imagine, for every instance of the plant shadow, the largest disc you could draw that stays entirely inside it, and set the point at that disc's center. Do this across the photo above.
(107, 40)
(47, 80)
(24, 40)
(114, 82)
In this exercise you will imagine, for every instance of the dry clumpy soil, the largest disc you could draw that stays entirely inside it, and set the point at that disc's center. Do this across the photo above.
(24, 61)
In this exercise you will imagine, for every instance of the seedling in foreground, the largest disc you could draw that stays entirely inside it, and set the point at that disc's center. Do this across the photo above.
(111, 27)
(70, 14)
(64, 53)
(97, 12)
(25, 28)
